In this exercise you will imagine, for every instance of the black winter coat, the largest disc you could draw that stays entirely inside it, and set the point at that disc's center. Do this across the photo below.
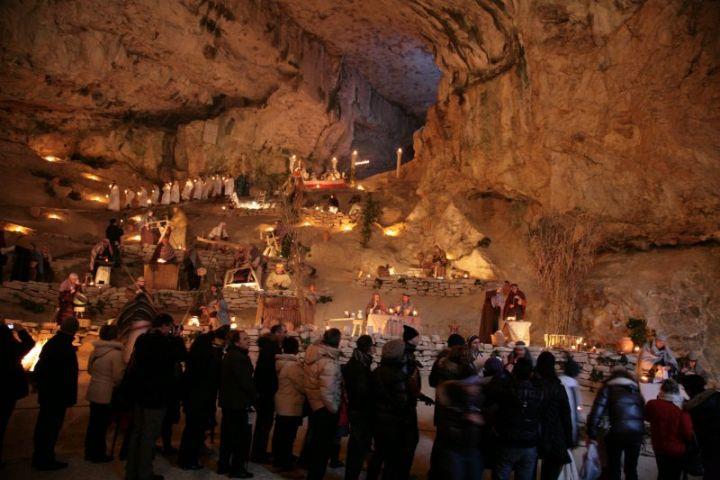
(704, 410)
(237, 389)
(517, 408)
(266, 380)
(621, 401)
(556, 423)
(12, 374)
(393, 405)
(444, 370)
(356, 377)
(56, 372)
(202, 374)
(152, 373)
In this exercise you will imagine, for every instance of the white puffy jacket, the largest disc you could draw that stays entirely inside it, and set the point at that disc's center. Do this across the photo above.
(106, 368)
(323, 381)
(290, 396)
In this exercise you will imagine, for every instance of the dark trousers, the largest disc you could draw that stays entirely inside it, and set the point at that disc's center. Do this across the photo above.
(172, 416)
(197, 422)
(265, 409)
(283, 440)
(669, 468)
(359, 444)
(147, 424)
(7, 405)
(393, 445)
(550, 469)
(522, 461)
(235, 436)
(47, 429)
(615, 447)
(711, 464)
(465, 463)
(98, 424)
(324, 428)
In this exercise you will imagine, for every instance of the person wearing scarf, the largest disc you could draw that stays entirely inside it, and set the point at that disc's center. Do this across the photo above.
(670, 430)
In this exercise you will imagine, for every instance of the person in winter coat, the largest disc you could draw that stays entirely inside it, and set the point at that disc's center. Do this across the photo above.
(56, 374)
(289, 401)
(106, 368)
(556, 423)
(704, 409)
(172, 410)
(670, 430)
(151, 383)
(621, 401)
(323, 388)
(475, 347)
(237, 395)
(395, 418)
(266, 383)
(572, 390)
(201, 382)
(15, 343)
(356, 377)
(456, 451)
(516, 405)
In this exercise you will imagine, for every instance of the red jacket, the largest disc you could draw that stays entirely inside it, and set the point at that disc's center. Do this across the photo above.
(670, 427)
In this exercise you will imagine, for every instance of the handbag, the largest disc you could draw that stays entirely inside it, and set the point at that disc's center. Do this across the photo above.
(692, 460)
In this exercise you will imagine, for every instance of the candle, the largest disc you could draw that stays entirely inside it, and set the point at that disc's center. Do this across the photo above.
(399, 162)
(353, 159)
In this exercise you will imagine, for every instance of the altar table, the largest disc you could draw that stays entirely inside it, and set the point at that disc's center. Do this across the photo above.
(391, 324)
(516, 331)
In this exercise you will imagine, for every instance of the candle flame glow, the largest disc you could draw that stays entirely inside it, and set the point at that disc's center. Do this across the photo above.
(54, 216)
(51, 158)
(91, 176)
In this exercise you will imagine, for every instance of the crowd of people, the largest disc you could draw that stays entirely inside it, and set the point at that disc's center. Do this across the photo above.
(513, 414)
(29, 262)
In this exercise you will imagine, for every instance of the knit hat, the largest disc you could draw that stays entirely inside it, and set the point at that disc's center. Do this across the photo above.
(409, 333)
(455, 340)
(471, 339)
(393, 350)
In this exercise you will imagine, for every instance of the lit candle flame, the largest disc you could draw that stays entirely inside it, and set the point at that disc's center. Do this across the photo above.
(91, 176)
(51, 158)
(54, 216)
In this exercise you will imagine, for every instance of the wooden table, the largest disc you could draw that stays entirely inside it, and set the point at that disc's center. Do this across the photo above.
(516, 331)
(161, 276)
(391, 324)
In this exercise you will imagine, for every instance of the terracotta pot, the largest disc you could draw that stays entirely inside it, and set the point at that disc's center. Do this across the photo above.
(625, 345)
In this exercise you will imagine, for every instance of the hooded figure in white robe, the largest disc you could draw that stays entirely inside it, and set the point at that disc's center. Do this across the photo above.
(207, 188)
(142, 197)
(166, 194)
(154, 195)
(129, 197)
(175, 192)
(114, 197)
(218, 185)
(229, 186)
(199, 186)
(187, 190)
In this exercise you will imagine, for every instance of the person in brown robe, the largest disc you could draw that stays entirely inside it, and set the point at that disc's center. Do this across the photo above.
(489, 318)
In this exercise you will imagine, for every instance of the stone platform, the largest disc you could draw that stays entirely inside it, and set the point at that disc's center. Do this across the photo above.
(441, 287)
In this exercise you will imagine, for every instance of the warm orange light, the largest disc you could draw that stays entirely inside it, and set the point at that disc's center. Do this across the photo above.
(347, 227)
(54, 216)
(97, 198)
(391, 232)
(136, 218)
(31, 358)
(91, 176)
(360, 187)
(15, 228)
(307, 223)
(133, 238)
(51, 158)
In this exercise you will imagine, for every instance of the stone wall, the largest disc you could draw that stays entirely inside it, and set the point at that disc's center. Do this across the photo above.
(447, 287)
(106, 302)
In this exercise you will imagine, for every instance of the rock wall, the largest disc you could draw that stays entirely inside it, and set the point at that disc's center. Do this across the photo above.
(423, 286)
(214, 86)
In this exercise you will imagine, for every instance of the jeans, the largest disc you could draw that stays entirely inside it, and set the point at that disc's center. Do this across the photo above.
(615, 446)
(7, 405)
(283, 440)
(147, 424)
(359, 444)
(669, 468)
(265, 409)
(465, 463)
(324, 427)
(520, 460)
(98, 424)
(47, 429)
(235, 434)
